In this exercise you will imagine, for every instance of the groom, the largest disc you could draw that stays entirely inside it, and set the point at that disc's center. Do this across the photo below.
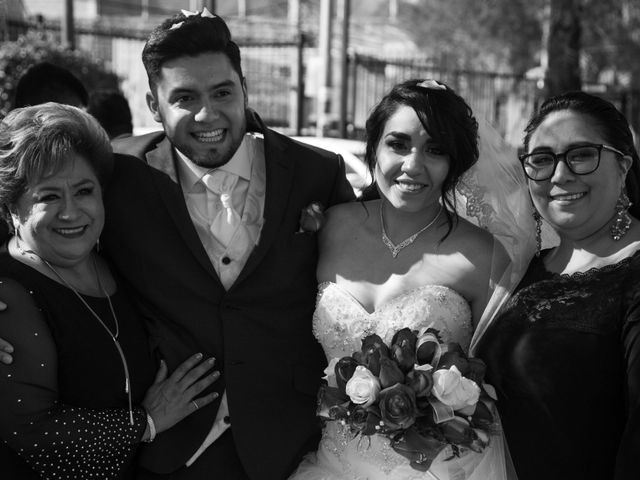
(223, 269)
(204, 225)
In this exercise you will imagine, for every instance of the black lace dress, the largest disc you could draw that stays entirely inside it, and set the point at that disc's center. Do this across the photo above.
(564, 357)
(63, 409)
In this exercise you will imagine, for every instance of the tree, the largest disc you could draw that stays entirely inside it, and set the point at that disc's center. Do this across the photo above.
(563, 47)
(35, 47)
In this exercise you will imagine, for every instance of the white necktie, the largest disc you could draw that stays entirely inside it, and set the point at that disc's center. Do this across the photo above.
(226, 222)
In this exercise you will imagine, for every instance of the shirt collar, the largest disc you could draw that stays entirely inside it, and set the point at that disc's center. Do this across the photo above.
(239, 165)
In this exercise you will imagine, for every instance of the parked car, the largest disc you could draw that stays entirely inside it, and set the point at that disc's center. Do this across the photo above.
(352, 151)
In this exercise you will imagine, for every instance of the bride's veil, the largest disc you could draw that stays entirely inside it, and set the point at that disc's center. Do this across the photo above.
(493, 194)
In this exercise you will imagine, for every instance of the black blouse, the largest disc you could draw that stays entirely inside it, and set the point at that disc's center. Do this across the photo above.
(63, 407)
(564, 356)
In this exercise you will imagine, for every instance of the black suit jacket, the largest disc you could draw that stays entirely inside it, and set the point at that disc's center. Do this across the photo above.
(260, 329)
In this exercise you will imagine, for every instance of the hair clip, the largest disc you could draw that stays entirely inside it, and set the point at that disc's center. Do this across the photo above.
(204, 14)
(431, 84)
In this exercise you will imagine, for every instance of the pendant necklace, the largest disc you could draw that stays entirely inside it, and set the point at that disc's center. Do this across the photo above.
(395, 249)
(114, 336)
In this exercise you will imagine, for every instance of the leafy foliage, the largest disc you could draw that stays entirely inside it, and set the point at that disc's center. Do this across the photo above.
(35, 47)
(507, 35)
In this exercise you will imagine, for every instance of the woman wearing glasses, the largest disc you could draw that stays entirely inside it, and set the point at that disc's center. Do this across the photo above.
(564, 353)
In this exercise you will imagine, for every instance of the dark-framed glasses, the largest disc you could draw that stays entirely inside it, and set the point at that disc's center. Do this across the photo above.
(580, 160)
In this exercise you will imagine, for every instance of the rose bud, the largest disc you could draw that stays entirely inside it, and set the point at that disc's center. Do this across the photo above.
(338, 412)
(427, 345)
(373, 422)
(312, 218)
(480, 440)
(421, 450)
(482, 417)
(344, 371)
(457, 431)
(390, 373)
(421, 381)
(363, 387)
(397, 406)
(373, 349)
(454, 390)
(454, 356)
(403, 349)
(358, 417)
(476, 370)
(373, 361)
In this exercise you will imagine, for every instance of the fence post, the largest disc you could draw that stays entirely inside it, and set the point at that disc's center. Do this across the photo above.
(68, 30)
(296, 107)
(345, 14)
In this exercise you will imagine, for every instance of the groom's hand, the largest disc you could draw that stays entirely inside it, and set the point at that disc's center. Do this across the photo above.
(6, 349)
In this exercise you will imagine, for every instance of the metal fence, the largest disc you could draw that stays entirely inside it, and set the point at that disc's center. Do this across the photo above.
(506, 101)
(276, 79)
(267, 67)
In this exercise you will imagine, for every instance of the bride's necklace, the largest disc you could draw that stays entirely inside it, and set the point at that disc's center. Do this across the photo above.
(114, 336)
(395, 249)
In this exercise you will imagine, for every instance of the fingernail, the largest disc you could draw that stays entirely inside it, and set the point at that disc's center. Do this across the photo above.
(215, 395)
(198, 356)
(8, 349)
(212, 360)
(215, 374)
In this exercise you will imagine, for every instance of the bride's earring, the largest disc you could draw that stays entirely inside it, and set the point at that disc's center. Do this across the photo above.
(538, 219)
(622, 221)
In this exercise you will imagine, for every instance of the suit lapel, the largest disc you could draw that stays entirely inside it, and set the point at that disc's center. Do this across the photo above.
(162, 158)
(279, 179)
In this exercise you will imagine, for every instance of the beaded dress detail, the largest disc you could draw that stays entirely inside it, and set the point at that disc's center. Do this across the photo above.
(340, 323)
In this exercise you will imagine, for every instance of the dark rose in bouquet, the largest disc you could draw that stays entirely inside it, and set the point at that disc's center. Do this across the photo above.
(373, 349)
(403, 349)
(398, 407)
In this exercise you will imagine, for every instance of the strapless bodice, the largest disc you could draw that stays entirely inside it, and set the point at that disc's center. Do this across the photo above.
(340, 322)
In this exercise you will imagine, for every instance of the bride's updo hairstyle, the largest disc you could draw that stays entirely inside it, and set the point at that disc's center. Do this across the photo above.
(447, 119)
(608, 120)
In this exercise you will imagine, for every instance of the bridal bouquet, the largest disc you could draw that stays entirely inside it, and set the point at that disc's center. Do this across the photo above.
(421, 393)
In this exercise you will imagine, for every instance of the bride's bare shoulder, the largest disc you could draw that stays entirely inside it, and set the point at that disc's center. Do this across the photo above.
(346, 222)
(348, 215)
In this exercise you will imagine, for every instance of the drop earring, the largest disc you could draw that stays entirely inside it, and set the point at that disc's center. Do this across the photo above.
(622, 221)
(538, 219)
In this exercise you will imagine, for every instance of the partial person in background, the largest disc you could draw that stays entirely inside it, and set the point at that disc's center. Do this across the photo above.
(80, 396)
(45, 82)
(111, 109)
(564, 354)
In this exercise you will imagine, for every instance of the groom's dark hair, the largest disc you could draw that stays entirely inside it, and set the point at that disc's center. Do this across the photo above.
(181, 36)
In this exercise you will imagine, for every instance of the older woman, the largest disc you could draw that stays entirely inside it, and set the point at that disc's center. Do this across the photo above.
(80, 395)
(565, 353)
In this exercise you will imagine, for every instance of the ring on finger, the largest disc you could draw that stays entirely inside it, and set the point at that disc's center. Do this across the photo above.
(195, 404)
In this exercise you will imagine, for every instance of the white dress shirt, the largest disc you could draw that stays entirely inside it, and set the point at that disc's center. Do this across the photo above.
(247, 198)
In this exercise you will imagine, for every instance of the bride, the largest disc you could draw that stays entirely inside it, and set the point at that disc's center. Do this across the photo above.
(406, 260)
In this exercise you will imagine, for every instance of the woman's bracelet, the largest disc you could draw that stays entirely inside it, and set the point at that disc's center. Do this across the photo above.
(152, 429)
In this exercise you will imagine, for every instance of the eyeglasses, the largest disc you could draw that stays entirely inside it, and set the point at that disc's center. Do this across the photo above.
(580, 160)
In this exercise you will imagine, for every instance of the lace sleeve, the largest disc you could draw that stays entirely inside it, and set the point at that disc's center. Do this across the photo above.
(57, 441)
(627, 463)
(493, 194)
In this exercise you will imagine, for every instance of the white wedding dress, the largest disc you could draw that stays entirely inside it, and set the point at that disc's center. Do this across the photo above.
(340, 323)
